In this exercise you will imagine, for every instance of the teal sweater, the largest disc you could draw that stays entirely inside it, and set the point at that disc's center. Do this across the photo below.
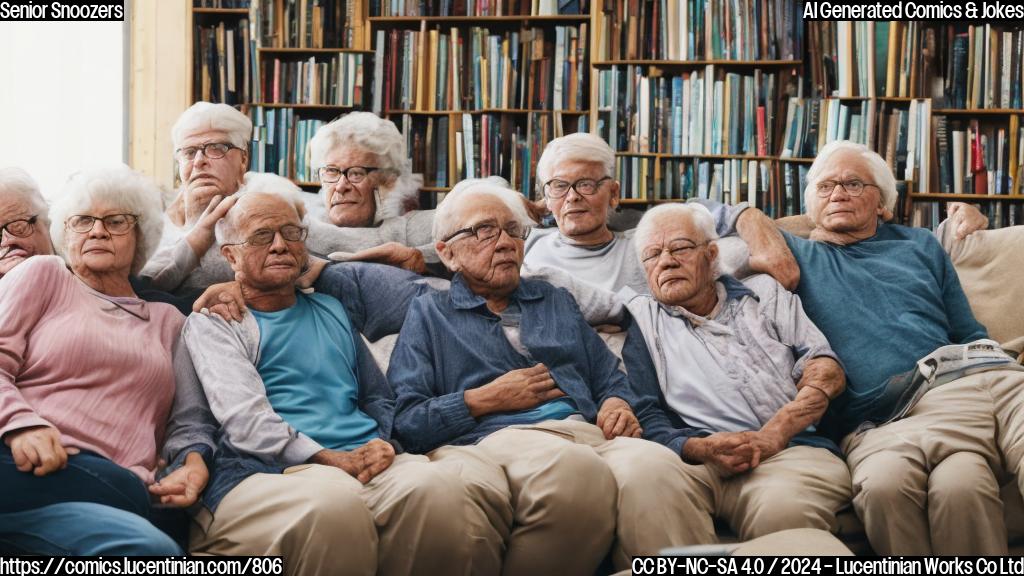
(883, 303)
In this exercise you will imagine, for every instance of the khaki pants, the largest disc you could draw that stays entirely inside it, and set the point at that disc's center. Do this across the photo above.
(927, 484)
(800, 487)
(570, 488)
(416, 517)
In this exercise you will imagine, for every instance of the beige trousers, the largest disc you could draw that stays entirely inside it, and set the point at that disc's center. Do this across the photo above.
(800, 487)
(416, 517)
(572, 492)
(927, 484)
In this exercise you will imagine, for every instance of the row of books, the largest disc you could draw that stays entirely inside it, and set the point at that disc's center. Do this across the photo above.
(280, 143)
(814, 122)
(979, 159)
(873, 59)
(309, 23)
(985, 67)
(1000, 214)
(224, 67)
(478, 7)
(220, 3)
(475, 69)
(426, 139)
(727, 181)
(338, 80)
(709, 111)
(701, 30)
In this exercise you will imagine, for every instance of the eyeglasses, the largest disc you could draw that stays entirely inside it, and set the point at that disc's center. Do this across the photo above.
(116, 224)
(212, 150)
(22, 228)
(853, 187)
(677, 252)
(354, 174)
(265, 236)
(489, 231)
(556, 188)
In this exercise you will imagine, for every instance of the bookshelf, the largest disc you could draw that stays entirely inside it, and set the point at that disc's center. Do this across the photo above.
(732, 102)
(479, 88)
(290, 65)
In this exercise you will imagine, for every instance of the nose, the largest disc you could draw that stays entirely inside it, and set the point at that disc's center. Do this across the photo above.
(665, 259)
(573, 193)
(505, 241)
(278, 246)
(98, 230)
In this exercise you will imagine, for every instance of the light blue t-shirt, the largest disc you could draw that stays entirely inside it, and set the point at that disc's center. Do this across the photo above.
(307, 362)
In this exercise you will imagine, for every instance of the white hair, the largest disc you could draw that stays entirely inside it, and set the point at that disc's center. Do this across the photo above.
(698, 214)
(257, 183)
(206, 116)
(578, 147)
(446, 219)
(880, 173)
(370, 133)
(15, 182)
(130, 192)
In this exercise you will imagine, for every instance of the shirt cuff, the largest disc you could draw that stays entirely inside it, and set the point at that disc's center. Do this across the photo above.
(300, 450)
(455, 413)
(30, 420)
(204, 451)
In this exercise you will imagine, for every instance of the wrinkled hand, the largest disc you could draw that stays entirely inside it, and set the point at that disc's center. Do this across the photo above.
(966, 218)
(376, 455)
(536, 209)
(225, 300)
(202, 236)
(516, 390)
(616, 418)
(727, 453)
(38, 450)
(349, 462)
(313, 269)
(390, 253)
(780, 264)
(768, 443)
(182, 487)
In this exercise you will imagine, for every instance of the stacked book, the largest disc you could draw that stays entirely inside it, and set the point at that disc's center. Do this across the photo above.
(224, 62)
(700, 30)
(336, 80)
(478, 7)
(985, 67)
(477, 69)
(502, 145)
(309, 23)
(709, 111)
(976, 158)
(280, 143)
(811, 123)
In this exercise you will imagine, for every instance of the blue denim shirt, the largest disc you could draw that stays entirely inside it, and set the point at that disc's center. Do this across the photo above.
(451, 343)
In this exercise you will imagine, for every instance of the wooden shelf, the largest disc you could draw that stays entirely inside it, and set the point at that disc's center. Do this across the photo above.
(640, 201)
(695, 63)
(484, 111)
(435, 189)
(222, 11)
(306, 184)
(793, 160)
(976, 111)
(697, 156)
(406, 20)
(300, 51)
(965, 197)
(304, 106)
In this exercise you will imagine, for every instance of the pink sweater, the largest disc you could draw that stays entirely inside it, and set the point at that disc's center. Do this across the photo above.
(96, 368)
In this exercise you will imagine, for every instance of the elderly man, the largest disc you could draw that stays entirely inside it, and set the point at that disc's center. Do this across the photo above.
(925, 466)
(307, 469)
(739, 378)
(576, 174)
(508, 368)
(211, 146)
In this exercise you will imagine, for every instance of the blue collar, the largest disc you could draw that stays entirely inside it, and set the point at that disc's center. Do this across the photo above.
(734, 289)
(464, 299)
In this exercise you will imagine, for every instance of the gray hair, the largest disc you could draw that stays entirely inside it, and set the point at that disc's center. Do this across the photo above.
(696, 213)
(17, 182)
(880, 173)
(204, 116)
(445, 221)
(370, 133)
(130, 191)
(257, 183)
(578, 147)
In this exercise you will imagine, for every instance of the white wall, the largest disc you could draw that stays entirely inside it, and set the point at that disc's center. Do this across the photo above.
(62, 104)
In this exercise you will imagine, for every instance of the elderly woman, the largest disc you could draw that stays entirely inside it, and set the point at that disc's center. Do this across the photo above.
(23, 220)
(211, 146)
(508, 368)
(93, 380)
